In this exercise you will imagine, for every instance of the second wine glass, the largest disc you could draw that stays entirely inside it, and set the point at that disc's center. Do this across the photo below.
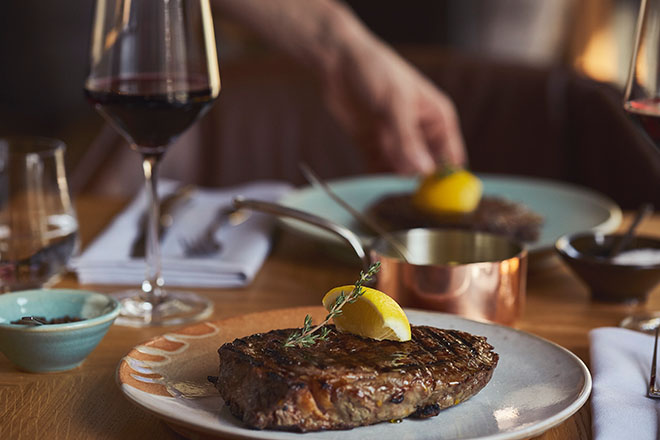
(642, 102)
(153, 73)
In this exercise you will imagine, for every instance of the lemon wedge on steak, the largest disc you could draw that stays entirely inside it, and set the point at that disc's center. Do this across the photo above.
(373, 315)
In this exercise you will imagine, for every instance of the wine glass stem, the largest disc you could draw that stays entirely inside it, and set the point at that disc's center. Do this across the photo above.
(153, 282)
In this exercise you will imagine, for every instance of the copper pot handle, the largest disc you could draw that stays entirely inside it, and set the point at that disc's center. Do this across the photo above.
(284, 211)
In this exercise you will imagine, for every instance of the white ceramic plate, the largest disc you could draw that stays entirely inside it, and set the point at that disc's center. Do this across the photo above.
(565, 208)
(536, 384)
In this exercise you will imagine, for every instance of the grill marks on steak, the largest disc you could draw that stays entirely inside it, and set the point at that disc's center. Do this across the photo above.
(348, 381)
(493, 214)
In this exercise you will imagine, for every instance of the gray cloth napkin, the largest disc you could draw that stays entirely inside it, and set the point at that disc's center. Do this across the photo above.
(244, 246)
(621, 365)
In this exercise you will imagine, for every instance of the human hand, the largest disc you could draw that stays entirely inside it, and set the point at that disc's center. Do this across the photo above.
(402, 121)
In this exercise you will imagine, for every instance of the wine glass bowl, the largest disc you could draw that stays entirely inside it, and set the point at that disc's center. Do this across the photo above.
(642, 93)
(153, 73)
(154, 68)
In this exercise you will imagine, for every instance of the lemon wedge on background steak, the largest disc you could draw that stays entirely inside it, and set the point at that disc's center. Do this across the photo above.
(373, 315)
(455, 191)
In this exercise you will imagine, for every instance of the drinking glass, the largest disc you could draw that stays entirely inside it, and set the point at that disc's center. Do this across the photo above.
(153, 73)
(642, 102)
(38, 226)
(642, 94)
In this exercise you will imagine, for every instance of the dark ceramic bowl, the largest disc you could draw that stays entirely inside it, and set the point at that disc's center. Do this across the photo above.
(587, 253)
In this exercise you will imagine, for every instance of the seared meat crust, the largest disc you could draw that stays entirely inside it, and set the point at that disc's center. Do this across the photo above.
(348, 381)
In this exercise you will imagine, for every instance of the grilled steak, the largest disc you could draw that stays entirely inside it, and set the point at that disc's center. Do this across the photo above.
(496, 215)
(348, 381)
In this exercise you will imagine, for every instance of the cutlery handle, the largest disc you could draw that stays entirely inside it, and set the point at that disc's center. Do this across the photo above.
(285, 211)
(642, 213)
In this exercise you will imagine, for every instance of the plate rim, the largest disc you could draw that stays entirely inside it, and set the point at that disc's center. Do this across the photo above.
(524, 433)
(558, 418)
(610, 224)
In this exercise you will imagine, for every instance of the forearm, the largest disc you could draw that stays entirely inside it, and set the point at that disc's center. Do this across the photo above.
(318, 33)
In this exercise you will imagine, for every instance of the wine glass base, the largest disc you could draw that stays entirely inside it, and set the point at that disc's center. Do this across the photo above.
(173, 308)
(642, 322)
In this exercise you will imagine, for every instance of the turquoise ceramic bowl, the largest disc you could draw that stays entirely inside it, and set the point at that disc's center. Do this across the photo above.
(54, 347)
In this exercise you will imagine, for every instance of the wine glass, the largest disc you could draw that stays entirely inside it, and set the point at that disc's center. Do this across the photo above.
(153, 73)
(642, 94)
(642, 102)
(38, 225)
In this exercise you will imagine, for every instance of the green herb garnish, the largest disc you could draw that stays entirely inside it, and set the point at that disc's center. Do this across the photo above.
(443, 171)
(308, 334)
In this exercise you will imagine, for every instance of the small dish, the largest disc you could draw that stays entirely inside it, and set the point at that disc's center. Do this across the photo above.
(608, 279)
(54, 347)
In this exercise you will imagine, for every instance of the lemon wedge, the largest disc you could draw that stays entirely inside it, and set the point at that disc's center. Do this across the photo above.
(456, 191)
(374, 315)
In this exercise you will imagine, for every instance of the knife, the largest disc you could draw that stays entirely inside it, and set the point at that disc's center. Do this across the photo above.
(168, 206)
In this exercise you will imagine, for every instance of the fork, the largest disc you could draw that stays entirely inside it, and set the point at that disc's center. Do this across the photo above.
(206, 243)
(653, 391)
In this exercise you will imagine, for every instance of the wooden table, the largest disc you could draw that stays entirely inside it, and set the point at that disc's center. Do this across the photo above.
(86, 402)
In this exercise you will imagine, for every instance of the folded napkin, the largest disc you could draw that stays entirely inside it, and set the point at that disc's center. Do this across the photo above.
(621, 365)
(244, 247)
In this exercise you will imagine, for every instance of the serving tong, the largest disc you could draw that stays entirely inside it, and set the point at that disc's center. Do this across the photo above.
(363, 219)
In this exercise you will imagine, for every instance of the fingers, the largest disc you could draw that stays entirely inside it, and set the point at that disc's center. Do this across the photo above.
(412, 155)
(410, 142)
(454, 147)
(403, 146)
(446, 145)
(441, 129)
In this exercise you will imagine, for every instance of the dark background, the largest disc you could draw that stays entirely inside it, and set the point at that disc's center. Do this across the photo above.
(524, 110)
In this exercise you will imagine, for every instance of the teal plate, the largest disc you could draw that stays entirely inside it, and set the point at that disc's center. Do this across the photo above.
(565, 208)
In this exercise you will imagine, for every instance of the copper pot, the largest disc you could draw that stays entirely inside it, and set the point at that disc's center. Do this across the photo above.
(473, 274)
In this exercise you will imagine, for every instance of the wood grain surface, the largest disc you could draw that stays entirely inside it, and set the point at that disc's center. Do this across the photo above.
(86, 402)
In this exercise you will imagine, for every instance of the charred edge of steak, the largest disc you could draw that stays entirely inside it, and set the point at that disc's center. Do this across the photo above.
(348, 381)
(493, 214)
(427, 412)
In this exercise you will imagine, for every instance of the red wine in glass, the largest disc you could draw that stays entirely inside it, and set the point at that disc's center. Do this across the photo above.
(646, 112)
(150, 111)
(140, 109)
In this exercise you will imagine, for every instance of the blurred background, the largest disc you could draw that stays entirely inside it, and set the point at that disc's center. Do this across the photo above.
(538, 86)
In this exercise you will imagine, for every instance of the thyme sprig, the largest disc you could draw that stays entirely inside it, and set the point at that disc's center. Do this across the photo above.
(308, 334)
(446, 170)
